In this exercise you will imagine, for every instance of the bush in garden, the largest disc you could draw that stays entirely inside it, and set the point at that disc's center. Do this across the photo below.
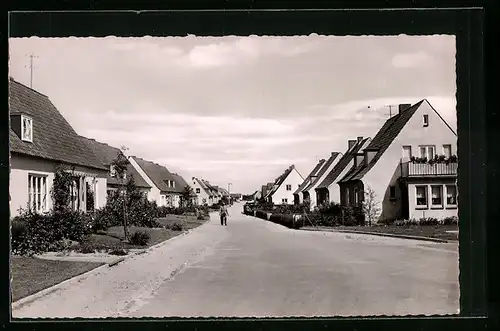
(286, 220)
(261, 214)
(140, 238)
(176, 227)
(18, 229)
(453, 220)
(428, 221)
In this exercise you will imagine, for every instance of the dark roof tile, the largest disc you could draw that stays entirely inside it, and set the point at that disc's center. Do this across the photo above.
(323, 169)
(53, 137)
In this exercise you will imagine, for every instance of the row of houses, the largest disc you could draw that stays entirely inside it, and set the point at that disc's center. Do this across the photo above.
(409, 167)
(41, 139)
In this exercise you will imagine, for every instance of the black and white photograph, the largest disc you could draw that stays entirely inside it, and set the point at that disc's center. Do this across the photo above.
(235, 176)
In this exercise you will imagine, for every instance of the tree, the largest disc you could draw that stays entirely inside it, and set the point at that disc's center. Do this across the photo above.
(187, 196)
(119, 167)
(370, 206)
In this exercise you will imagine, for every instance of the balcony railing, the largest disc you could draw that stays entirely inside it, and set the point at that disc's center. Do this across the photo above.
(410, 169)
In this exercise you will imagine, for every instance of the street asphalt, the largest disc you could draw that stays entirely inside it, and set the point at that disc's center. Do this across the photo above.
(254, 268)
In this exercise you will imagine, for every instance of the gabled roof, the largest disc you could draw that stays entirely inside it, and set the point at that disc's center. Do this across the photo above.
(280, 180)
(322, 170)
(382, 140)
(202, 185)
(53, 137)
(308, 178)
(107, 154)
(179, 181)
(159, 175)
(340, 166)
(211, 188)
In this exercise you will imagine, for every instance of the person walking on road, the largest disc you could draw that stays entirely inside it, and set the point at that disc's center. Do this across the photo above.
(223, 214)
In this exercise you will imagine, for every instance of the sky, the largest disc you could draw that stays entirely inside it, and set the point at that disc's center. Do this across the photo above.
(236, 110)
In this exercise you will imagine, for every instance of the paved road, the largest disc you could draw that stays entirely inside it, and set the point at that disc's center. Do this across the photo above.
(257, 268)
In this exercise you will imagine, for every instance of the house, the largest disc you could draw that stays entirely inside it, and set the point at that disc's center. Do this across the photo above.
(297, 195)
(40, 140)
(214, 193)
(202, 192)
(309, 192)
(107, 155)
(410, 166)
(282, 191)
(166, 188)
(328, 189)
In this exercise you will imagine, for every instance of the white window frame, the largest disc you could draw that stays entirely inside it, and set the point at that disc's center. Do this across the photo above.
(288, 187)
(38, 192)
(445, 146)
(173, 183)
(425, 120)
(29, 120)
(112, 170)
(410, 151)
(427, 148)
(440, 190)
(356, 197)
(426, 193)
(452, 205)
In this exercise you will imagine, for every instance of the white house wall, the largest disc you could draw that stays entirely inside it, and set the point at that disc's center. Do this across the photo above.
(294, 179)
(312, 190)
(154, 194)
(387, 170)
(22, 166)
(202, 195)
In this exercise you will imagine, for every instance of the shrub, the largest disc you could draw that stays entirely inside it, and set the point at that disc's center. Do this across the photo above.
(142, 213)
(452, 220)
(286, 220)
(177, 227)
(140, 238)
(18, 229)
(46, 232)
(261, 214)
(118, 252)
(429, 221)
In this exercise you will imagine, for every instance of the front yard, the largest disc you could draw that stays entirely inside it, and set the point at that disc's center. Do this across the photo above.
(436, 231)
(112, 238)
(31, 275)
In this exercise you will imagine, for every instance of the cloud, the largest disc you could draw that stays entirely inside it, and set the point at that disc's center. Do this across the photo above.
(236, 108)
(410, 60)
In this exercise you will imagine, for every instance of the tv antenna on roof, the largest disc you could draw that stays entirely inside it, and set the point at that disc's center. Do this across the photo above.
(31, 65)
(390, 109)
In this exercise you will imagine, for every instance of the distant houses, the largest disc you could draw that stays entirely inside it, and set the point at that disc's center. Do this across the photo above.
(408, 169)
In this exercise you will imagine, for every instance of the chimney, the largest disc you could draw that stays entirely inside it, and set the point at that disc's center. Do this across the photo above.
(369, 155)
(402, 107)
(360, 139)
(350, 144)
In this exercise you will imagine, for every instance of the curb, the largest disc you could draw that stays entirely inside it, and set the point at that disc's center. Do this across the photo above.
(402, 236)
(29, 299)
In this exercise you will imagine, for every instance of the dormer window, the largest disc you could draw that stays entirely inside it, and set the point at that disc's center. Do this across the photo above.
(26, 128)
(426, 120)
(112, 170)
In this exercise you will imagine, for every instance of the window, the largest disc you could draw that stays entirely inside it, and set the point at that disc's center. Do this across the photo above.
(451, 195)
(428, 151)
(437, 195)
(124, 174)
(347, 196)
(112, 170)
(426, 120)
(356, 196)
(198, 190)
(421, 195)
(173, 183)
(37, 193)
(284, 200)
(392, 192)
(447, 150)
(288, 187)
(26, 128)
(407, 152)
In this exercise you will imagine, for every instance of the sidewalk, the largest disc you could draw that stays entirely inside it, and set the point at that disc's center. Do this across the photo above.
(113, 291)
(373, 233)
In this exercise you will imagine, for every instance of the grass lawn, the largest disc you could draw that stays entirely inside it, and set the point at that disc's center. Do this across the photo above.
(111, 239)
(31, 275)
(438, 231)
